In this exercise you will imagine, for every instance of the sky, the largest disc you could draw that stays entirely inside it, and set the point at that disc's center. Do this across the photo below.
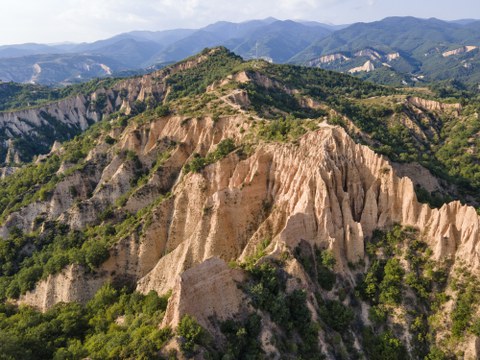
(54, 21)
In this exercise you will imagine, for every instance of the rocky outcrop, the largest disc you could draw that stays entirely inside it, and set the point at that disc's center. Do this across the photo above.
(70, 285)
(335, 196)
(432, 105)
(473, 349)
(367, 67)
(460, 50)
(370, 53)
(419, 175)
(392, 56)
(327, 59)
(74, 113)
(6, 171)
(209, 290)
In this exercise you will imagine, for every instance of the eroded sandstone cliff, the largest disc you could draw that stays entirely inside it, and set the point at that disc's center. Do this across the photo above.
(325, 189)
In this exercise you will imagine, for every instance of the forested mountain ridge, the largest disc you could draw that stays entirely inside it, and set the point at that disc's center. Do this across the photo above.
(400, 51)
(253, 197)
(66, 64)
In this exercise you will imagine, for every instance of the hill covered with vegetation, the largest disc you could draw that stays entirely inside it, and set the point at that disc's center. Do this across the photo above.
(274, 170)
(402, 50)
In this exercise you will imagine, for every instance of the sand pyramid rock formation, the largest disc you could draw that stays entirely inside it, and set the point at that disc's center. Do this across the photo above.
(367, 67)
(324, 189)
(204, 291)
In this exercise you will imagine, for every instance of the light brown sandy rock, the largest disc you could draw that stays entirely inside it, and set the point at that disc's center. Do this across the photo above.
(419, 175)
(367, 67)
(325, 189)
(472, 352)
(327, 59)
(392, 56)
(206, 290)
(370, 53)
(433, 105)
(69, 285)
(460, 50)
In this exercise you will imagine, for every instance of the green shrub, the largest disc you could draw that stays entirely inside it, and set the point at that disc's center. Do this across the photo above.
(242, 338)
(436, 354)
(282, 129)
(109, 140)
(383, 346)
(191, 333)
(463, 311)
(162, 110)
(325, 263)
(194, 81)
(267, 291)
(336, 315)
(392, 283)
(198, 162)
(95, 253)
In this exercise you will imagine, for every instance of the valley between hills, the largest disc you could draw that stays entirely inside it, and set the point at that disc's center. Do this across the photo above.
(219, 208)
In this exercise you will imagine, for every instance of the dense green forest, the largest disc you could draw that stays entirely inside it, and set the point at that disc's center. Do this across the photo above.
(115, 324)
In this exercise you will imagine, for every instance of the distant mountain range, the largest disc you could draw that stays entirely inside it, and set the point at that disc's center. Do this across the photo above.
(404, 49)
(270, 38)
(396, 50)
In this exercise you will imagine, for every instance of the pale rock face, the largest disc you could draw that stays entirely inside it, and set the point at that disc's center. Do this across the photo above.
(372, 54)
(472, 351)
(24, 218)
(56, 147)
(433, 105)
(206, 290)
(327, 59)
(74, 110)
(419, 176)
(239, 98)
(327, 190)
(392, 56)
(6, 171)
(107, 69)
(367, 67)
(324, 189)
(69, 285)
(460, 50)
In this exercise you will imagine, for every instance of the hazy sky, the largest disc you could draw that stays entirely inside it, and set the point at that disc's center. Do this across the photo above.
(87, 20)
